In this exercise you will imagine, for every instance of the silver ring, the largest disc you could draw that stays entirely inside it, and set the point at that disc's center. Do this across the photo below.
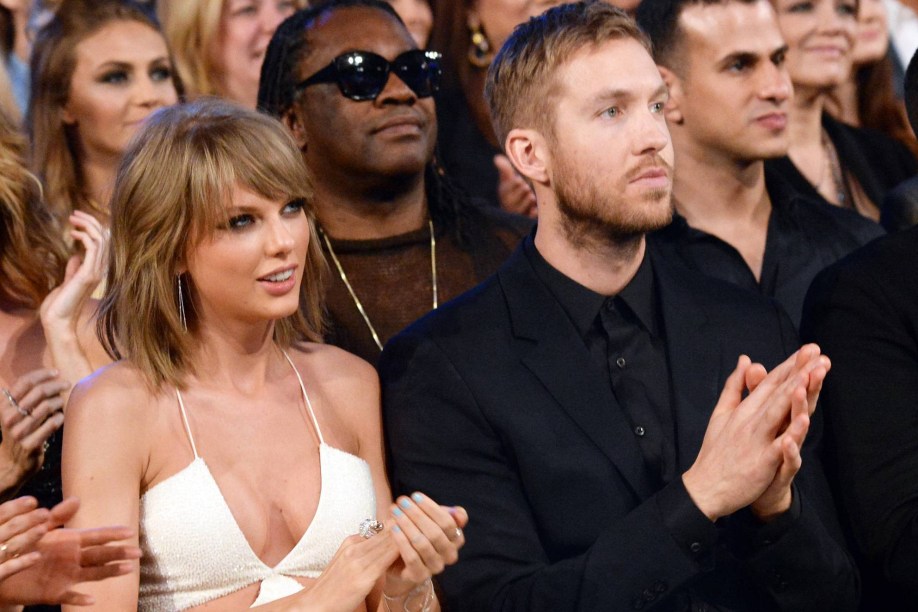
(369, 528)
(3, 552)
(14, 403)
(457, 533)
(45, 446)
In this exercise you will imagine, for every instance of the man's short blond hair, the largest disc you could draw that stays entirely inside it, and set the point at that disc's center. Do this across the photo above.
(522, 80)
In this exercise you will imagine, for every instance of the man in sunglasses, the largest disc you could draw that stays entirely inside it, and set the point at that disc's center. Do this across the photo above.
(356, 93)
(591, 405)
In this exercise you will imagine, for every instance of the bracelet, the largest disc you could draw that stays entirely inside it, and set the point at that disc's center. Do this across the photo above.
(417, 599)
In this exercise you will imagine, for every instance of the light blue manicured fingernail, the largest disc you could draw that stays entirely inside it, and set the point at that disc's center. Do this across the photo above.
(405, 503)
(417, 497)
(397, 512)
(396, 529)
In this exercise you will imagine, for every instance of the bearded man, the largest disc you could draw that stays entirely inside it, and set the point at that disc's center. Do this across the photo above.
(594, 408)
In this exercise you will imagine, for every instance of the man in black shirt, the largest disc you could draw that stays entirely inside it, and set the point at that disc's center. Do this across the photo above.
(581, 405)
(729, 91)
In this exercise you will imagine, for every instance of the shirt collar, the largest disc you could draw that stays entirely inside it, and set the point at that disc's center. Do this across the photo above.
(582, 305)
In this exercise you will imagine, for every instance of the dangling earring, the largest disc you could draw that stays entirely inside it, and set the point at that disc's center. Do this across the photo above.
(181, 302)
(480, 54)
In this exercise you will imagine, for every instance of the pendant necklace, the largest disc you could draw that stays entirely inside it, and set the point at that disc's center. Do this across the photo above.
(350, 289)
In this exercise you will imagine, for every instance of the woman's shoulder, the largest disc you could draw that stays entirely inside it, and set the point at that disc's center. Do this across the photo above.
(115, 389)
(348, 382)
(333, 365)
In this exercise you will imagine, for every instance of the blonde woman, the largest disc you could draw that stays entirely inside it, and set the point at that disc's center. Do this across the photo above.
(249, 454)
(220, 44)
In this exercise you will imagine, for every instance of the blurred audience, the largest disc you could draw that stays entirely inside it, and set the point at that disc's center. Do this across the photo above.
(47, 338)
(418, 18)
(844, 165)
(219, 45)
(469, 33)
(99, 67)
(399, 237)
(14, 57)
(733, 221)
(867, 98)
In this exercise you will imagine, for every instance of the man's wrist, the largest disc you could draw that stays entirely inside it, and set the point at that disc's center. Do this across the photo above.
(704, 502)
(769, 511)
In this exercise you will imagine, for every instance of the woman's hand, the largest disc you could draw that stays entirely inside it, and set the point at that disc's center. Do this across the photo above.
(513, 191)
(29, 416)
(61, 310)
(67, 557)
(352, 573)
(62, 558)
(22, 524)
(428, 537)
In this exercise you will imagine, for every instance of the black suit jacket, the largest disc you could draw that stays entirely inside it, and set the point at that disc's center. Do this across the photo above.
(864, 313)
(492, 403)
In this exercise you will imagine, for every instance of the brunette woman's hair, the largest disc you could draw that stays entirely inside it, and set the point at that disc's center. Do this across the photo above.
(878, 107)
(32, 252)
(171, 192)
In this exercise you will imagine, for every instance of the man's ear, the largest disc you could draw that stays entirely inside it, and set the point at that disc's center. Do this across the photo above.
(291, 118)
(528, 152)
(672, 111)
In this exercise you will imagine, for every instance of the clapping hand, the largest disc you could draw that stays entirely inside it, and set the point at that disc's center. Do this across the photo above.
(59, 559)
(428, 536)
(30, 413)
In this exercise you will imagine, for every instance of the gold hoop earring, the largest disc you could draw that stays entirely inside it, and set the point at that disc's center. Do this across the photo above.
(480, 54)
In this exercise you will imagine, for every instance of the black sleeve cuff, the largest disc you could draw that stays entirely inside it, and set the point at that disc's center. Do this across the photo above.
(688, 526)
(766, 533)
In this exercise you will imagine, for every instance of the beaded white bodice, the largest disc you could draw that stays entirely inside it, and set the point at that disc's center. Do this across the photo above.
(195, 552)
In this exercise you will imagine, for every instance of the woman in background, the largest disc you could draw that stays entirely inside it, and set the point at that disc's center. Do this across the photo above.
(843, 165)
(867, 97)
(469, 33)
(220, 44)
(99, 68)
(46, 337)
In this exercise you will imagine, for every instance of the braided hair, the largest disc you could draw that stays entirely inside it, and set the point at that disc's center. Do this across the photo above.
(449, 207)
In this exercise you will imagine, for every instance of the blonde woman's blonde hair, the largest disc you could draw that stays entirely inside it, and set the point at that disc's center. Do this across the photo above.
(171, 192)
(192, 28)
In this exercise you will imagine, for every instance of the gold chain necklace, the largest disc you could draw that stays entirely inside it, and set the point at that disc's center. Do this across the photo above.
(350, 289)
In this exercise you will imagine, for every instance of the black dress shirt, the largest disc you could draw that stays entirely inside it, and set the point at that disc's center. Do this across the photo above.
(804, 236)
(624, 334)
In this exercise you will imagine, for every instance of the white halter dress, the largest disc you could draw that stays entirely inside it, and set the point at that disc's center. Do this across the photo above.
(195, 552)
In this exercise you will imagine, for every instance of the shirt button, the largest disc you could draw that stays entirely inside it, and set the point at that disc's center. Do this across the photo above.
(610, 305)
(695, 547)
(639, 431)
(620, 362)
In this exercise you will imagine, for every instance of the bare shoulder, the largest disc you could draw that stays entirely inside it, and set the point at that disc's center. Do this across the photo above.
(115, 394)
(334, 366)
(346, 380)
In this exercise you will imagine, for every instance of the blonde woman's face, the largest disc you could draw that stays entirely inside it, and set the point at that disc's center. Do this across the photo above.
(820, 37)
(250, 270)
(122, 75)
(246, 27)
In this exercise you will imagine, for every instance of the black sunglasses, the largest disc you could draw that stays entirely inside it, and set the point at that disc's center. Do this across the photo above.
(362, 75)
